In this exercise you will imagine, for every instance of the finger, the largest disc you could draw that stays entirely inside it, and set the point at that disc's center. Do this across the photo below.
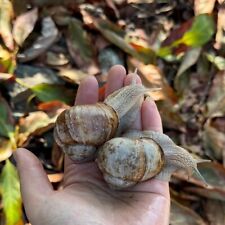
(115, 79)
(151, 119)
(35, 186)
(130, 77)
(128, 80)
(87, 92)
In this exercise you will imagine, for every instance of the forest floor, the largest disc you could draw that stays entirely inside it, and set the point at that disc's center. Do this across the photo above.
(48, 46)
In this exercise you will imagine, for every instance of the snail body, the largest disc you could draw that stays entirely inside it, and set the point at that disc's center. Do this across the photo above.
(141, 155)
(80, 130)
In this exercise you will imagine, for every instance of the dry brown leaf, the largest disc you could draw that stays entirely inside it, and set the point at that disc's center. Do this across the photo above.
(214, 174)
(49, 36)
(152, 78)
(215, 212)
(6, 15)
(72, 75)
(35, 123)
(6, 149)
(57, 157)
(23, 25)
(215, 193)
(52, 107)
(182, 215)
(56, 59)
(55, 178)
(203, 6)
(220, 27)
(214, 141)
(5, 76)
(216, 99)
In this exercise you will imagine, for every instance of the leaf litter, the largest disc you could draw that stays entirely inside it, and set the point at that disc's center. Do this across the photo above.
(47, 48)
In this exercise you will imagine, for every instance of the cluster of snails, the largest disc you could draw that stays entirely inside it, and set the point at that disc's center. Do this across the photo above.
(125, 157)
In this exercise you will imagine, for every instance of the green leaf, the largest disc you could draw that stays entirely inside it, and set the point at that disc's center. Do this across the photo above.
(7, 61)
(218, 61)
(6, 123)
(80, 40)
(50, 92)
(201, 31)
(11, 197)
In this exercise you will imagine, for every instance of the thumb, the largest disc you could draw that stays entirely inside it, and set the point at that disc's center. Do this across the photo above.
(35, 186)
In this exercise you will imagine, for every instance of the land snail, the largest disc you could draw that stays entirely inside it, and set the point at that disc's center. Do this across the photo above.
(101, 132)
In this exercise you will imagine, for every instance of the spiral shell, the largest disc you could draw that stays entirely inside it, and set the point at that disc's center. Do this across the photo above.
(125, 162)
(81, 129)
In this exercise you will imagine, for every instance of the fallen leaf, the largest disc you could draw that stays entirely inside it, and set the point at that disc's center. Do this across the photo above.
(5, 76)
(11, 198)
(214, 174)
(51, 92)
(52, 106)
(182, 215)
(203, 6)
(216, 99)
(6, 149)
(108, 57)
(49, 36)
(196, 33)
(201, 31)
(218, 61)
(7, 61)
(55, 178)
(189, 59)
(214, 141)
(215, 212)
(23, 25)
(57, 157)
(56, 59)
(171, 118)
(116, 35)
(6, 122)
(152, 77)
(72, 75)
(101, 92)
(215, 193)
(36, 123)
(6, 15)
(220, 37)
(79, 42)
(28, 76)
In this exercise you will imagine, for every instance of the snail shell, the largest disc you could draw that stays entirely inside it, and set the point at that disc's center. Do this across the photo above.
(80, 130)
(83, 128)
(125, 162)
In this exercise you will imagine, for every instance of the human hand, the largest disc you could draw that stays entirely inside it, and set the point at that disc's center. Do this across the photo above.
(85, 198)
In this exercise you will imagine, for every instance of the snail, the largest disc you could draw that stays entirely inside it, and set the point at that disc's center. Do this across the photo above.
(141, 155)
(80, 130)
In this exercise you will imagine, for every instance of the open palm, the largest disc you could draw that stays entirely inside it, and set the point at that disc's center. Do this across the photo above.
(85, 198)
